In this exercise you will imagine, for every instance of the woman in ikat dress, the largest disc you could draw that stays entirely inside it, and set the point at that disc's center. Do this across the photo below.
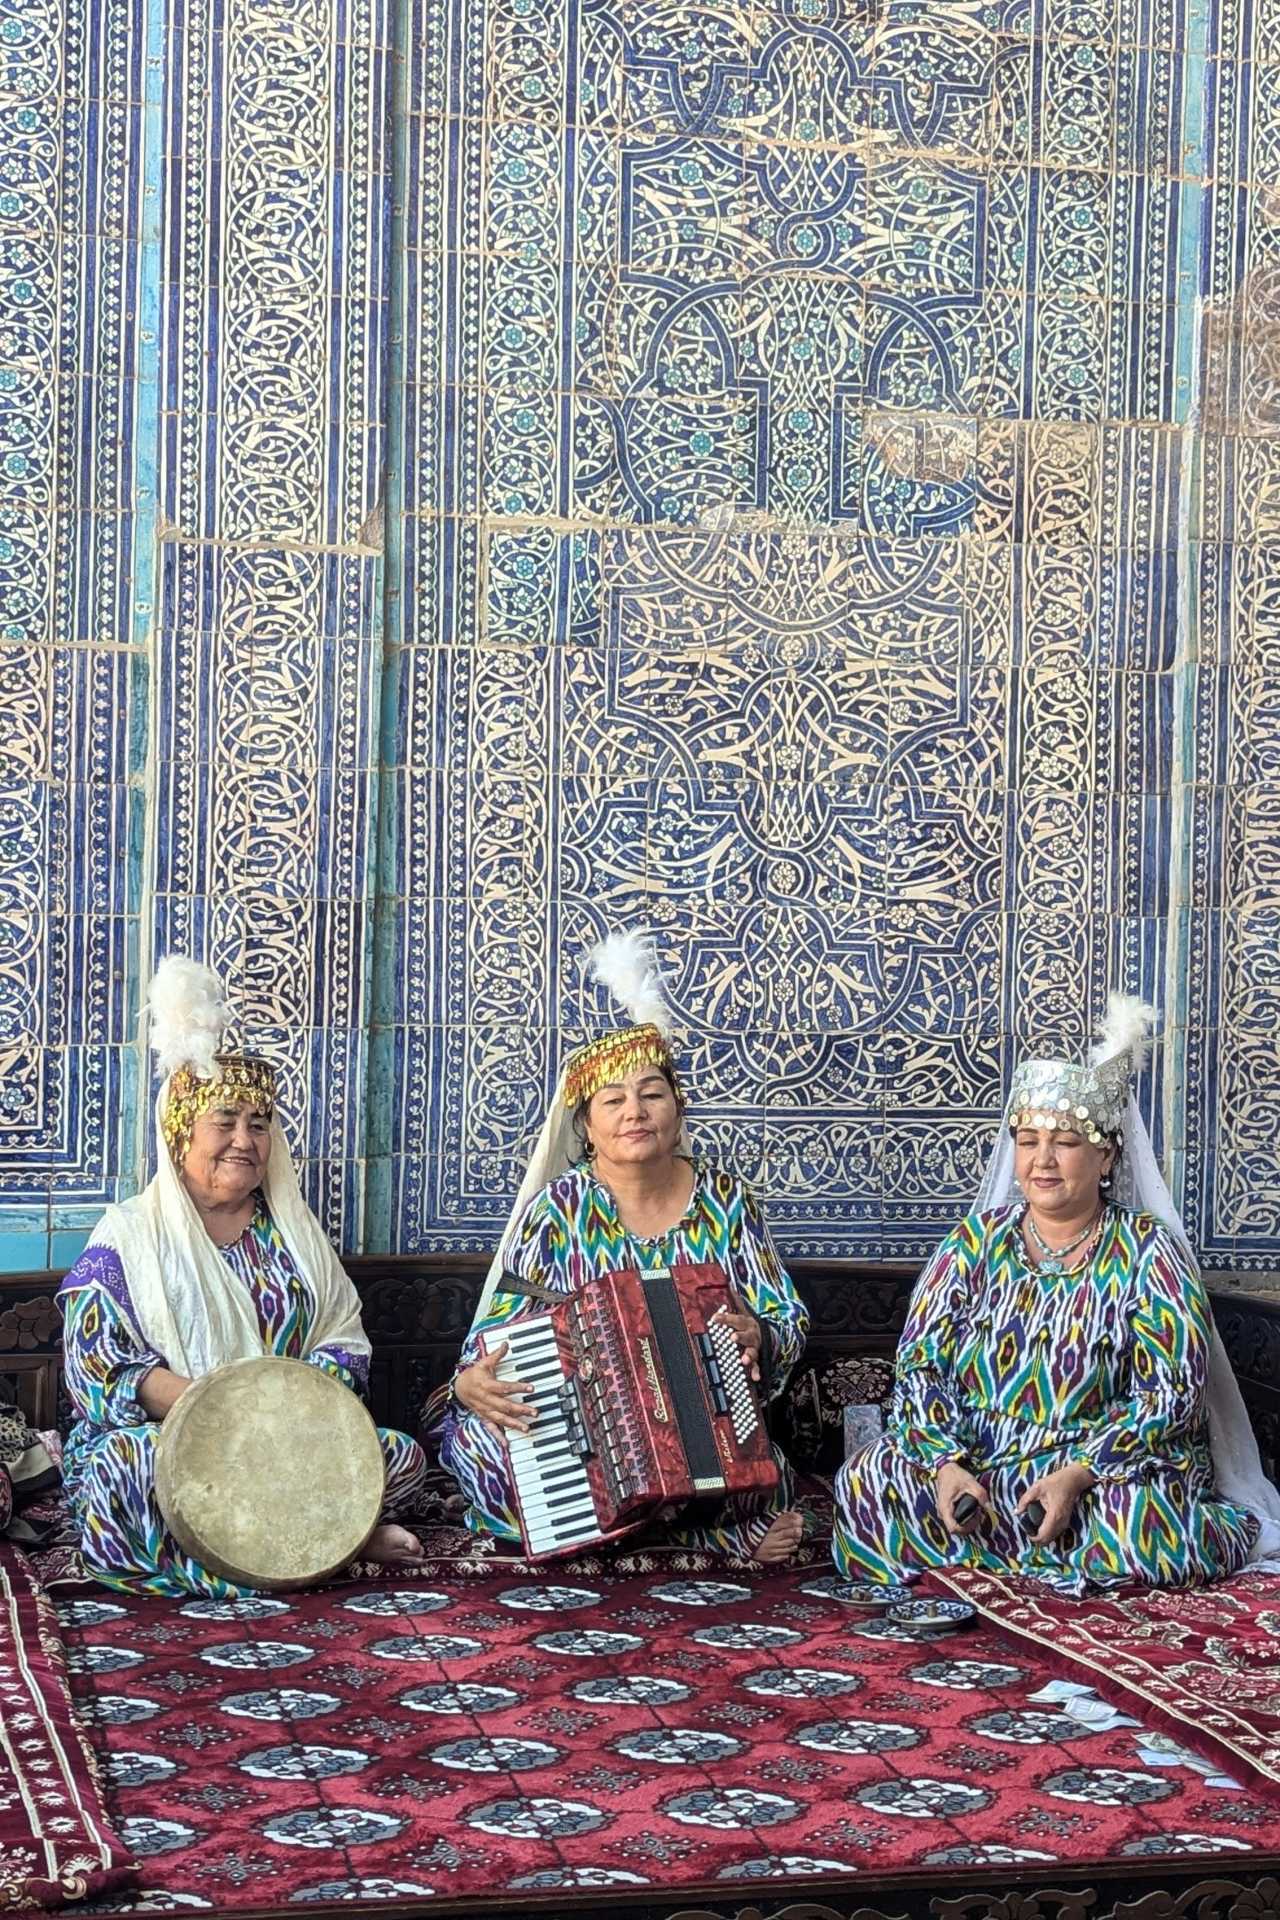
(613, 1186)
(1057, 1353)
(219, 1259)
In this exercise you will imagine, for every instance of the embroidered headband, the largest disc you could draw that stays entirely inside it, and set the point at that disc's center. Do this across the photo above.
(240, 1080)
(610, 1058)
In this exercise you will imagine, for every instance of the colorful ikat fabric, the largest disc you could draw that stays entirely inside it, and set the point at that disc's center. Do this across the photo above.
(1015, 1372)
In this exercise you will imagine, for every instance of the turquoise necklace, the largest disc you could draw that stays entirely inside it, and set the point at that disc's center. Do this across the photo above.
(1053, 1260)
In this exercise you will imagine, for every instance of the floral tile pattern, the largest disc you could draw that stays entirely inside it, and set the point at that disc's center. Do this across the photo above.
(811, 451)
(798, 475)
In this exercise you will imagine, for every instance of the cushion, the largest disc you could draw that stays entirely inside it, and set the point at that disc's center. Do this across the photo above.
(56, 1840)
(812, 1422)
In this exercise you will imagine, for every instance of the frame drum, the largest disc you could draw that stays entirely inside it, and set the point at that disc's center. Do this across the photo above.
(270, 1473)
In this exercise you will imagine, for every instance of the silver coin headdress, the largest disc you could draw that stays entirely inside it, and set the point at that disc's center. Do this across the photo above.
(1089, 1098)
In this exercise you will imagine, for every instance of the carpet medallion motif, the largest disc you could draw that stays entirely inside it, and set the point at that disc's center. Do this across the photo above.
(660, 1729)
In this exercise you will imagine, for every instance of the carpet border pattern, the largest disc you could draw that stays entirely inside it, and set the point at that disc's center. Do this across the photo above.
(56, 1841)
(1080, 1637)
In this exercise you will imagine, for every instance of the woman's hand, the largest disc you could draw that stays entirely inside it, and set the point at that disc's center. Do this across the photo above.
(1057, 1493)
(747, 1332)
(499, 1403)
(949, 1482)
(160, 1390)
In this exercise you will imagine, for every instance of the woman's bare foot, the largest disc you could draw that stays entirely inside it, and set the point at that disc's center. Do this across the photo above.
(393, 1547)
(782, 1539)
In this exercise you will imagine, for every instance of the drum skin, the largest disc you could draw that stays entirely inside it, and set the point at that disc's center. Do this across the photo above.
(270, 1473)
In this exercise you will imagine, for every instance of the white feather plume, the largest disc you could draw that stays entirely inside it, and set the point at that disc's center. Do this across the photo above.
(626, 965)
(188, 1015)
(1126, 1029)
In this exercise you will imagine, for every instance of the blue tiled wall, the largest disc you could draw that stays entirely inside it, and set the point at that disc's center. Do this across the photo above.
(801, 476)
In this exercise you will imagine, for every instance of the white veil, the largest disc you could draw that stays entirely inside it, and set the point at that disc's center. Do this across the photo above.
(626, 965)
(190, 1306)
(555, 1151)
(1140, 1184)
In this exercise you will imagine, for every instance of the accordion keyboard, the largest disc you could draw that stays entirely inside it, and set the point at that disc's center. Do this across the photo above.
(546, 1463)
(642, 1401)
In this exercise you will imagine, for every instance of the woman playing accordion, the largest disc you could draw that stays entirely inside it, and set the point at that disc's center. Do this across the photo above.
(613, 1186)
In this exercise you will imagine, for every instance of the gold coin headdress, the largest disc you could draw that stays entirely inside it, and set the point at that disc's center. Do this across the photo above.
(626, 965)
(189, 1016)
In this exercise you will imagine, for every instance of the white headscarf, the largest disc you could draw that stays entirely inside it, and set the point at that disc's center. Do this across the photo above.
(190, 1306)
(1139, 1184)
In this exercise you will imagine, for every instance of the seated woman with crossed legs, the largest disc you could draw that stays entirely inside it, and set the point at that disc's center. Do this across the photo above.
(612, 1186)
(219, 1259)
(1062, 1406)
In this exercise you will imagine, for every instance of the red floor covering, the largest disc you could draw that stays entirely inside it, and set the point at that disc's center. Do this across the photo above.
(1202, 1663)
(654, 1730)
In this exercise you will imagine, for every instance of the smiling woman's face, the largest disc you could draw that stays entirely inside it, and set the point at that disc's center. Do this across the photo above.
(1059, 1171)
(635, 1120)
(227, 1156)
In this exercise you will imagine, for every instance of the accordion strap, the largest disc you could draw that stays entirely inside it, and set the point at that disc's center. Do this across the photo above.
(522, 1289)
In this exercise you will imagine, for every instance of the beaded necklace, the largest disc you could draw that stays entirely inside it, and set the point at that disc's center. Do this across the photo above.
(1053, 1260)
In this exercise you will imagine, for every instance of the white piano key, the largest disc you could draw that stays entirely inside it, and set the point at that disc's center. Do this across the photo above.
(567, 1509)
(552, 1484)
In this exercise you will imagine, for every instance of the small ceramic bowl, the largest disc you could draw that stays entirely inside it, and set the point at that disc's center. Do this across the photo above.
(865, 1593)
(932, 1612)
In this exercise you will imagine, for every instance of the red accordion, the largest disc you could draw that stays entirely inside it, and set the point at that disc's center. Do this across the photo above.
(642, 1398)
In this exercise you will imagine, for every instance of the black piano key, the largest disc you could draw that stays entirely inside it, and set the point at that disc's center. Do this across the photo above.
(556, 1482)
(563, 1500)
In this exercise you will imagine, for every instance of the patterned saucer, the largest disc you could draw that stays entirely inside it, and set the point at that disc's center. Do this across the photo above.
(866, 1593)
(932, 1613)
(857, 1593)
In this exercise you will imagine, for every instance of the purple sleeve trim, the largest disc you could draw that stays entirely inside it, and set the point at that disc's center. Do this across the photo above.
(353, 1367)
(101, 1267)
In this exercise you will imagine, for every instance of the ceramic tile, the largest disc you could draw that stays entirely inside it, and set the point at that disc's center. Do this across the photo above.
(792, 542)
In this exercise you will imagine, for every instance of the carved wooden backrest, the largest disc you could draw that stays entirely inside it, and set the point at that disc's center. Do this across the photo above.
(417, 1311)
(31, 1346)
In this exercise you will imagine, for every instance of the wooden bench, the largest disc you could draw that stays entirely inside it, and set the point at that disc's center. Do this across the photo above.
(417, 1309)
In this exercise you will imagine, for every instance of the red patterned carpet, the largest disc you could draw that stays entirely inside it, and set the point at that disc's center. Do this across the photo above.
(662, 1729)
(1203, 1664)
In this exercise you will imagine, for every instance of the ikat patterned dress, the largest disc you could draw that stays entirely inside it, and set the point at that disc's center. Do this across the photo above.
(109, 1462)
(570, 1234)
(1014, 1373)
